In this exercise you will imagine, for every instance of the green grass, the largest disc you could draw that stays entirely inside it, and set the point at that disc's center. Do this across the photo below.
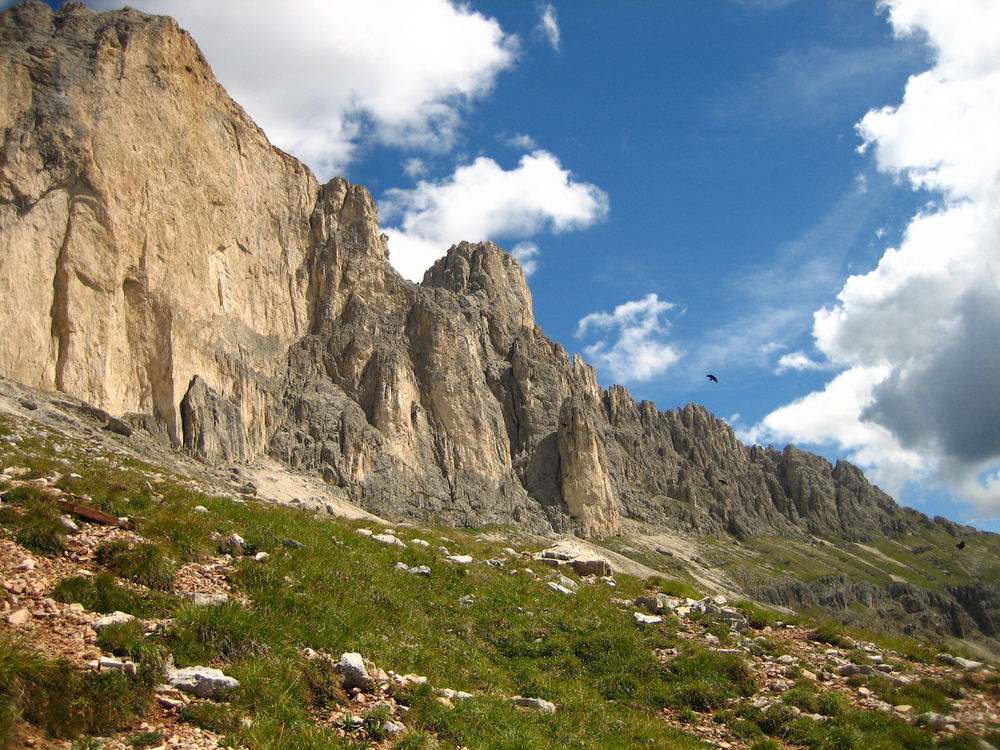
(143, 563)
(340, 592)
(62, 700)
(105, 593)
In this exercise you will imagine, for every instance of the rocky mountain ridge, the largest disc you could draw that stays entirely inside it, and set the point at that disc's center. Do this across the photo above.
(162, 260)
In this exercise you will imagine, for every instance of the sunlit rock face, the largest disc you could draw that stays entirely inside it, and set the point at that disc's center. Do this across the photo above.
(162, 260)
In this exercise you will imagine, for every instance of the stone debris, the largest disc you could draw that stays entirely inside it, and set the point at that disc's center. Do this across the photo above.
(460, 559)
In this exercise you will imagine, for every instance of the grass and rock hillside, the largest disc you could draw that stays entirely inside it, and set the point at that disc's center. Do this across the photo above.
(348, 634)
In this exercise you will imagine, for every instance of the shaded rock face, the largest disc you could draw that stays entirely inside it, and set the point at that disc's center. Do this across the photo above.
(968, 610)
(160, 259)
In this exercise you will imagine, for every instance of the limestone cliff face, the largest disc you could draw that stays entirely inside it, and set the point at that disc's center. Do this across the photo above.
(148, 230)
(159, 258)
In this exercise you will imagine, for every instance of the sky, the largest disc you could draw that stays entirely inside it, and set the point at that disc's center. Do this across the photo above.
(800, 197)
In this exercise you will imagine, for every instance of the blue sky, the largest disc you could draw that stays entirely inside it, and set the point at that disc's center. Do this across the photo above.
(697, 186)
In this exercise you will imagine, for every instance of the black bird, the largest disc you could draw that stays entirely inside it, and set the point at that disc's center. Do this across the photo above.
(712, 378)
(961, 544)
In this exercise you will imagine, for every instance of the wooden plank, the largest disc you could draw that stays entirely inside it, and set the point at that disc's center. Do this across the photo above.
(85, 511)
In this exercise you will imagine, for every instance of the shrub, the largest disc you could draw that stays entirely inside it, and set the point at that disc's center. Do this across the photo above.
(141, 563)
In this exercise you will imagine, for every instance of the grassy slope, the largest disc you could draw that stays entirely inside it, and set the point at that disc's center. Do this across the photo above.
(340, 592)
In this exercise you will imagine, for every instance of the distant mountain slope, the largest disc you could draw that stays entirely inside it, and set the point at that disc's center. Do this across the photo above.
(159, 258)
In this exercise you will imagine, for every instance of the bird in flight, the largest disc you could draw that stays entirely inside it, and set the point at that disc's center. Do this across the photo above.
(961, 544)
(712, 378)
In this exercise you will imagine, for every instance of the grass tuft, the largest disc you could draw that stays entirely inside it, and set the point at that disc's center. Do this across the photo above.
(142, 563)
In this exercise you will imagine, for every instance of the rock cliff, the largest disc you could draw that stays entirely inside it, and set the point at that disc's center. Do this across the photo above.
(162, 260)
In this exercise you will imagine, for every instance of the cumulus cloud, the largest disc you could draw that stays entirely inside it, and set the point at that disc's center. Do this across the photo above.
(526, 254)
(796, 362)
(915, 337)
(548, 25)
(323, 78)
(635, 347)
(483, 201)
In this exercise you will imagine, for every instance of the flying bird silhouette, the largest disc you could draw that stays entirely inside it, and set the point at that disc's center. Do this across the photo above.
(961, 545)
(712, 378)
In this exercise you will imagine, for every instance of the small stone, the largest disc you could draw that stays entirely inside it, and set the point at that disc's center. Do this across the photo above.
(420, 543)
(200, 599)
(460, 559)
(110, 664)
(536, 704)
(904, 709)
(420, 570)
(19, 617)
(260, 557)
(200, 509)
(933, 720)
(388, 539)
(27, 563)
(453, 695)
(366, 532)
(467, 600)
(393, 728)
(647, 619)
(786, 660)
(351, 667)
(556, 587)
(403, 567)
(967, 664)
(115, 618)
(292, 543)
(69, 524)
(203, 682)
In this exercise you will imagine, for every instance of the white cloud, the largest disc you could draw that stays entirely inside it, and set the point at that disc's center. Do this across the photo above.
(548, 24)
(925, 319)
(526, 254)
(640, 350)
(414, 167)
(483, 201)
(796, 361)
(519, 141)
(325, 78)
